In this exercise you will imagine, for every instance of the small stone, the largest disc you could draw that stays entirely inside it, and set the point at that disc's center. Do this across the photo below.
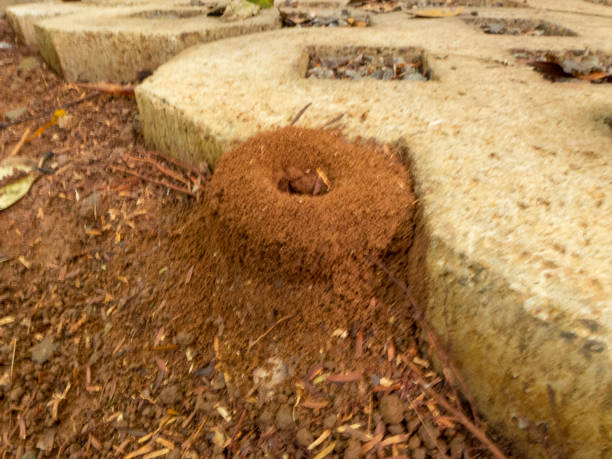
(353, 449)
(413, 76)
(304, 437)
(15, 395)
(184, 338)
(46, 440)
(396, 429)
(284, 419)
(28, 63)
(273, 375)
(414, 442)
(494, 28)
(15, 113)
(171, 395)
(5, 45)
(44, 350)
(264, 419)
(218, 382)
(388, 74)
(352, 74)
(425, 435)
(420, 453)
(330, 421)
(66, 122)
(392, 409)
(88, 204)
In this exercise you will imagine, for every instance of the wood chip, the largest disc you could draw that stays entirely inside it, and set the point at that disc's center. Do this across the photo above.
(326, 451)
(139, 452)
(6, 320)
(318, 441)
(371, 444)
(344, 377)
(158, 453)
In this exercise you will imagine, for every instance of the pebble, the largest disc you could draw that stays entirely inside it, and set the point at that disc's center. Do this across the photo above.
(414, 442)
(419, 453)
(457, 445)
(283, 418)
(330, 421)
(392, 409)
(171, 395)
(28, 63)
(272, 375)
(15, 394)
(218, 382)
(44, 350)
(88, 204)
(15, 113)
(264, 419)
(425, 435)
(5, 45)
(353, 449)
(396, 429)
(184, 338)
(304, 437)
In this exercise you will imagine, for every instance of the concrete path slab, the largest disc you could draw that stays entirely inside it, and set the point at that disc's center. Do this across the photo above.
(115, 44)
(514, 173)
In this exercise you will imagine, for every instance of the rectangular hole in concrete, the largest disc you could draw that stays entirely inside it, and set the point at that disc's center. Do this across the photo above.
(178, 14)
(569, 65)
(295, 17)
(470, 3)
(357, 62)
(517, 26)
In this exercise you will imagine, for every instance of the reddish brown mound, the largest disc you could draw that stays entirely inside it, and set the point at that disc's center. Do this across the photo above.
(260, 253)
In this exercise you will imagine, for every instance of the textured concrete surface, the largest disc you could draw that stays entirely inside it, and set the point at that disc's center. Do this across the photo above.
(23, 17)
(115, 44)
(514, 174)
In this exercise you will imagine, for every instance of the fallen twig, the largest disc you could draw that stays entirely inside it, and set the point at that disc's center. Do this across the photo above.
(19, 144)
(457, 414)
(334, 120)
(159, 167)
(433, 339)
(193, 437)
(299, 114)
(153, 180)
(282, 319)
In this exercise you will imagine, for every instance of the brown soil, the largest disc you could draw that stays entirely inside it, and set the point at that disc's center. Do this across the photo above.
(145, 314)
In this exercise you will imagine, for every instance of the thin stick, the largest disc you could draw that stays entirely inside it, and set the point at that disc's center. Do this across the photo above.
(458, 415)
(17, 147)
(151, 179)
(299, 114)
(193, 437)
(282, 319)
(433, 339)
(13, 359)
(335, 119)
(161, 168)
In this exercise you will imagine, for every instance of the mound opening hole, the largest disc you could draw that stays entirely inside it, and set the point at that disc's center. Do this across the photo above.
(312, 182)
(357, 62)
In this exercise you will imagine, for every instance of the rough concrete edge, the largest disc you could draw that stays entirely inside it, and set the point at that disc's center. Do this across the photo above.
(460, 291)
(165, 127)
(46, 48)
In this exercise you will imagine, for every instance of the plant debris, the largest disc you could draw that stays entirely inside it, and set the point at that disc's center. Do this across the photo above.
(312, 18)
(570, 65)
(408, 64)
(534, 28)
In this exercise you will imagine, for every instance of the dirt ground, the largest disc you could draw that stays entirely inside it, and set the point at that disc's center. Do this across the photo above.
(149, 310)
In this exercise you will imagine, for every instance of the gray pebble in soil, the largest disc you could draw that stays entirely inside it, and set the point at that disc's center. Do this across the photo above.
(304, 437)
(392, 409)
(44, 350)
(353, 449)
(283, 418)
(16, 113)
(171, 395)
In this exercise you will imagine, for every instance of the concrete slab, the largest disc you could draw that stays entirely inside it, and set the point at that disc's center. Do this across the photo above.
(115, 44)
(514, 174)
(23, 17)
